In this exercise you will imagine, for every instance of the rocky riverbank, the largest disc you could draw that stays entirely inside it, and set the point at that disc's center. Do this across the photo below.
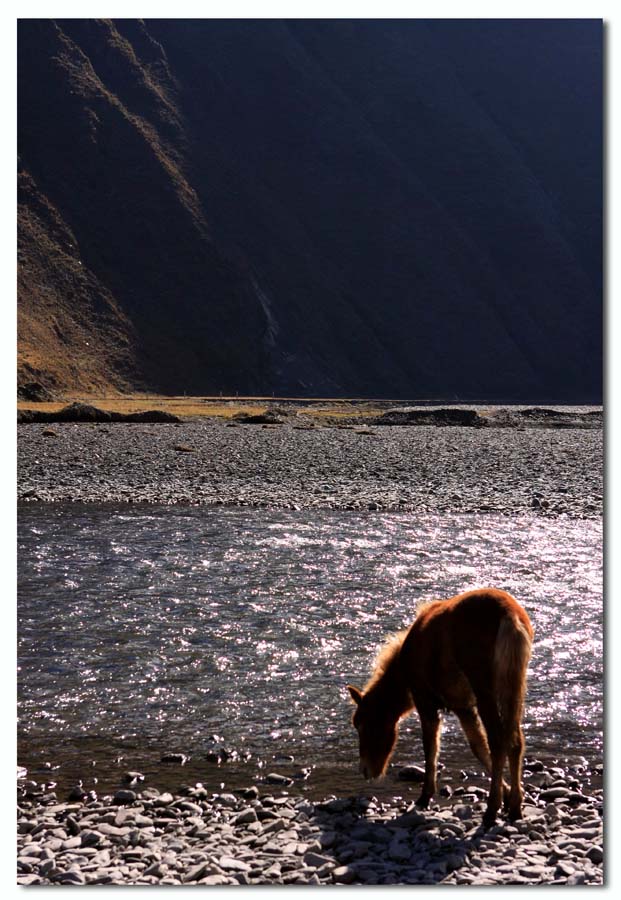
(552, 471)
(254, 837)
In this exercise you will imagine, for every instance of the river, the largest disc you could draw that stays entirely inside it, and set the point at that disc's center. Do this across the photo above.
(145, 630)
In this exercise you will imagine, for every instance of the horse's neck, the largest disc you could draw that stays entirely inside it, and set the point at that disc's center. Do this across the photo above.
(391, 693)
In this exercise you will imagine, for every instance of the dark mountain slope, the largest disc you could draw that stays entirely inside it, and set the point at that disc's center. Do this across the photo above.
(328, 207)
(561, 73)
(118, 184)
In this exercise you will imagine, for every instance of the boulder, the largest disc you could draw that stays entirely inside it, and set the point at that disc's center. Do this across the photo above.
(83, 412)
(266, 418)
(148, 416)
(80, 412)
(26, 416)
(449, 416)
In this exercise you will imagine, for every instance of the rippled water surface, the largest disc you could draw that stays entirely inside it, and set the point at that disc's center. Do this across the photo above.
(148, 630)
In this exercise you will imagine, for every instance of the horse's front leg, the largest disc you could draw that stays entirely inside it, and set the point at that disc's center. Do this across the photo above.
(430, 724)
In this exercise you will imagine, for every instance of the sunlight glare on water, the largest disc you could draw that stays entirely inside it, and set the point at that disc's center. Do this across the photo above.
(160, 626)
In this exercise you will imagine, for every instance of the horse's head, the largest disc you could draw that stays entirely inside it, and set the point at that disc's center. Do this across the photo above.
(377, 733)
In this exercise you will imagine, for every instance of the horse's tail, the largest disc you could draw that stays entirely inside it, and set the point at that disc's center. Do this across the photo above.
(511, 657)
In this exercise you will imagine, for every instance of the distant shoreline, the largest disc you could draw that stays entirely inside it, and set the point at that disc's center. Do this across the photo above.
(138, 400)
(276, 411)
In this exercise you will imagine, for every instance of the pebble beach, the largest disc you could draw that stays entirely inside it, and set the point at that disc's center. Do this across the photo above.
(148, 837)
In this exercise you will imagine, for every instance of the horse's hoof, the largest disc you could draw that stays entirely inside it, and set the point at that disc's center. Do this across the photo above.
(423, 802)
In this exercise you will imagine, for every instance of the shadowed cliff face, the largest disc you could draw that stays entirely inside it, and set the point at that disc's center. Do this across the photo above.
(318, 207)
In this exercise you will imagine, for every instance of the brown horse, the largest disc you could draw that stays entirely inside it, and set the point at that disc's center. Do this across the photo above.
(468, 655)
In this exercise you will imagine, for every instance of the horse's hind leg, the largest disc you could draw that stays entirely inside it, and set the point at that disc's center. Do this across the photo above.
(516, 756)
(473, 729)
(475, 734)
(498, 752)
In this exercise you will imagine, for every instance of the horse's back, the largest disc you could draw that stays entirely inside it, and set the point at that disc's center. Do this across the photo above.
(478, 610)
(452, 642)
(485, 609)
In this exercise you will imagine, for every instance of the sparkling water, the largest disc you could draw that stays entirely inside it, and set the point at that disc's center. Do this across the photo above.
(146, 630)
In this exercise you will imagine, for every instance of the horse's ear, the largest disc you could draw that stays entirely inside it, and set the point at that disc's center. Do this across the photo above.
(355, 693)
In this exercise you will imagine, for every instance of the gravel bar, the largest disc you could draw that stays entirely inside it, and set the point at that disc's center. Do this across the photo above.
(549, 471)
(251, 837)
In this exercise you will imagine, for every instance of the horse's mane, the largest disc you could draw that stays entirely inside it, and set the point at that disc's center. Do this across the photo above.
(386, 656)
(423, 604)
(390, 650)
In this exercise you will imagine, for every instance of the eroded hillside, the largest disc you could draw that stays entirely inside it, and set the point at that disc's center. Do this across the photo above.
(307, 207)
